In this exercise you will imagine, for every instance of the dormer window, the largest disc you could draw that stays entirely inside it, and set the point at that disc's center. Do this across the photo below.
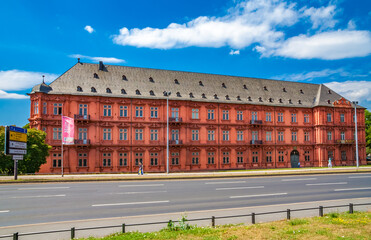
(151, 93)
(299, 101)
(203, 95)
(93, 89)
(301, 91)
(215, 96)
(151, 80)
(200, 83)
(191, 95)
(176, 81)
(244, 86)
(329, 91)
(108, 90)
(238, 98)
(270, 99)
(227, 97)
(280, 100)
(223, 85)
(124, 78)
(123, 91)
(178, 94)
(265, 88)
(284, 89)
(260, 99)
(249, 98)
(290, 101)
(137, 92)
(96, 75)
(329, 101)
(79, 89)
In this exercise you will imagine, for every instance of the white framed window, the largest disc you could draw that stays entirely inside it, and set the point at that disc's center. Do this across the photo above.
(225, 135)
(138, 111)
(254, 116)
(195, 113)
(83, 109)
(225, 157)
(293, 117)
(239, 135)
(210, 157)
(280, 136)
(329, 117)
(306, 136)
(107, 134)
(139, 134)
(342, 117)
(57, 133)
(123, 134)
(154, 112)
(195, 135)
(342, 135)
(210, 114)
(225, 114)
(175, 134)
(154, 134)
(123, 111)
(268, 136)
(329, 135)
(210, 135)
(83, 133)
(280, 117)
(107, 110)
(268, 116)
(294, 136)
(306, 118)
(239, 115)
(174, 112)
(57, 108)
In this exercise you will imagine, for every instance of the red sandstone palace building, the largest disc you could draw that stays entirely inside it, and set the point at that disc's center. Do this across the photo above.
(216, 122)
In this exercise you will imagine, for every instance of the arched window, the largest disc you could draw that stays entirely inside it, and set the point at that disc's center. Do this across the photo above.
(200, 83)
(238, 98)
(223, 85)
(203, 95)
(151, 93)
(284, 89)
(227, 97)
(151, 79)
(215, 96)
(176, 81)
(108, 90)
(79, 89)
(178, 94)
(137, 92)
(123, 91)
(260, 99)
(244, 86)
(191, 95)
(124, 78)
(93, 89)
(96, 75)
(249, 98)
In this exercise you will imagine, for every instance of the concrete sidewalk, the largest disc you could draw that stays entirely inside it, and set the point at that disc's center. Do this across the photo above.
(183, 175)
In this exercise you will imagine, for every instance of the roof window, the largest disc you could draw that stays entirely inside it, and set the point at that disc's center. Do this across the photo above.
(299, 101)
(284, 90)
(191, 95)
(96, 75)
(79, 89)
(223, 85)
(329, 91)
(176, 81)
(123, 91)
(216, 96)
(227, 97)
(203, 95)
(178, 94)
(151, 79)
(200, 83)
(108, 90)
(238, 98)
(290, 101)
(270, 99)
(244, 86)
(93, 89)
(260, 99)
(329, 101)
(301, 91)
(151, 93)
(265, 88)
(124, 78)
(137, 92)
(280, 100)
(249, 98)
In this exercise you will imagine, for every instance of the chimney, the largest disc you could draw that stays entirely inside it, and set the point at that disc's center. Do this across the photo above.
(101, 66)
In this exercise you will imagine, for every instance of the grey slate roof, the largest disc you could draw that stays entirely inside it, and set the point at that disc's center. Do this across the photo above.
(82, 75)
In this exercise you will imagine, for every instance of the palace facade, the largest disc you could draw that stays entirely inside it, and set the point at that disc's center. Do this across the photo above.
(216, 122)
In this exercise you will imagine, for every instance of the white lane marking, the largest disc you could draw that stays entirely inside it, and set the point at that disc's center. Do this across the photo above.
(259, 195)
(43, 188)
(320, 184)
(298, 179)
(360, 177)
(130, 203)
(41, 196)
(225, 182)
(4, 211)
(351, 189)
(144, 185)
(140, 192)
(236, 188)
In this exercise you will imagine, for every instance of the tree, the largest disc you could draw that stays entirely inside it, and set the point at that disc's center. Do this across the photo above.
(368, 131)
(37, 151)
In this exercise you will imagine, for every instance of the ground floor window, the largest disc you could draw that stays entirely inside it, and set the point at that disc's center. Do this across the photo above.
(269, 157)
(175, 158)
(57, 159)
(343, 155)
(255, 157)
(281, 156)
(123, 159)
(106, 159)
(138, 158)
(307, 156)
(83, 159)
(154, 159)
(211, 157)
(239, 157)
(195, 156)
(225, 157)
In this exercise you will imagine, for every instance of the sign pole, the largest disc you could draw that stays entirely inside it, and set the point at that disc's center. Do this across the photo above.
(62, 148)
(15, 169)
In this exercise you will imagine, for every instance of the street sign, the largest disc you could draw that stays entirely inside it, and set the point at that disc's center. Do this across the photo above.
(17, 151)
(17, 157)
(17, 136)
(21, 145)
(17, 129)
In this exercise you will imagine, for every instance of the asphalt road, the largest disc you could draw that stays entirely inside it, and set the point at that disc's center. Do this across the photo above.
(42, 203)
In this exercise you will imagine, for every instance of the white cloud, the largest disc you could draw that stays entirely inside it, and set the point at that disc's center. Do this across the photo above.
(249, 22)
(261, 24)
(89, 29)
(5, 95)
(235, 52)
(353, 90)
(20, 80)
(308, 76)
(352, 25)
(97, 59)
(322, 17)
(327, 45)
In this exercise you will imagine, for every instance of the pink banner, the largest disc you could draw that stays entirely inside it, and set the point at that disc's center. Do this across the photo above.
(68, 130)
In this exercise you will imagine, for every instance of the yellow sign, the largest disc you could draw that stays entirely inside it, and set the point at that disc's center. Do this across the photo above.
(17, 136)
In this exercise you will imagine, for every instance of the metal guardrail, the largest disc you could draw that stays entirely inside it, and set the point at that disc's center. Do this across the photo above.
(16, 236)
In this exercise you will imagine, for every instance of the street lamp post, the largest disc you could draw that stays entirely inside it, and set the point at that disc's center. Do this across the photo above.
(356, 131)
(167, 94)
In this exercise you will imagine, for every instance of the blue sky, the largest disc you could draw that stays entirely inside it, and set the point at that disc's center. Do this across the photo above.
(314, 41)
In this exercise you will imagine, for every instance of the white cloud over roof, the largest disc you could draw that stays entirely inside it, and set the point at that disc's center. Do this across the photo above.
(20, 80)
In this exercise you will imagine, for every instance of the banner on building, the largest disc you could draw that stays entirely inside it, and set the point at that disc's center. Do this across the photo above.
(68, 130)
